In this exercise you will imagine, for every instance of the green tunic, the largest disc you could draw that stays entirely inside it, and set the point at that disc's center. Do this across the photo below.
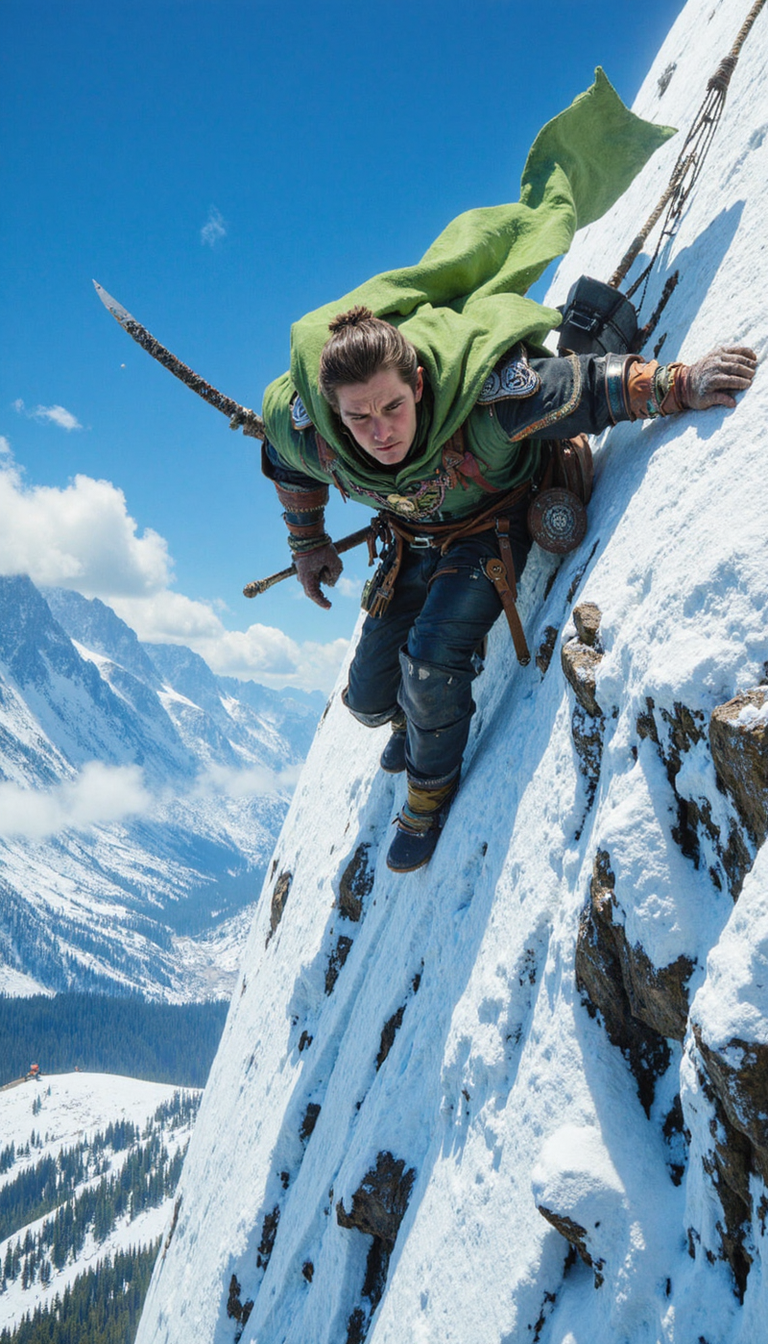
(462, 306)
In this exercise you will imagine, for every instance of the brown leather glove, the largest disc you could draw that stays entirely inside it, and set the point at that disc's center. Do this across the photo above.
(711, 381)
(315, 567)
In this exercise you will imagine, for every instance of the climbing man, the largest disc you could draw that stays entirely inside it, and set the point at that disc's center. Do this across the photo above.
(433, 401)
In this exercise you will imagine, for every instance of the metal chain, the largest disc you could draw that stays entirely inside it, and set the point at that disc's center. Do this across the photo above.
(689, 163)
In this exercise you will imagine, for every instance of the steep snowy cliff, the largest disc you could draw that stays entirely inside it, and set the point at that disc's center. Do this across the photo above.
(521, 1094)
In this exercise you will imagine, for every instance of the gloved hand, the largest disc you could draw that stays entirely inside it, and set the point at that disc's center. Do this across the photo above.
(713, 379)
(315, 567)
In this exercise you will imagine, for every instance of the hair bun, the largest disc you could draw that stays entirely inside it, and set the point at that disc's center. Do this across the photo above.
(353, 318)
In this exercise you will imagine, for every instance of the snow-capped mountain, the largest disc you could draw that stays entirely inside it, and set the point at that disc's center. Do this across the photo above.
(140, 800)
(521, 1095)
(88, 1169)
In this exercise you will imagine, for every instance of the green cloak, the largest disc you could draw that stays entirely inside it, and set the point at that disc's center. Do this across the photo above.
(462, 305)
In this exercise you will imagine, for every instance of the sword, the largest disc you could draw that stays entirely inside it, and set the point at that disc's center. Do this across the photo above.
(240, 417)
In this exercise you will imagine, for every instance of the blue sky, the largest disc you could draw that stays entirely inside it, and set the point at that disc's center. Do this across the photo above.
(221, 168)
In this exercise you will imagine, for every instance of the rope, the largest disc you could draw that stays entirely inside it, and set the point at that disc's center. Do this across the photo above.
(690, 161)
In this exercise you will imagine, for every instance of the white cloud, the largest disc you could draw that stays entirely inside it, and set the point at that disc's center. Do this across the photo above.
(80, 537)
(55, 415)
(261, 653)
(214, 228)
(83, 537)
(349, 587)
(5, 446)
(100, 794)
(231, 783)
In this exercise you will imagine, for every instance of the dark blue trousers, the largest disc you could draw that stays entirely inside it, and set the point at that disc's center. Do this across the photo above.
(420, 655)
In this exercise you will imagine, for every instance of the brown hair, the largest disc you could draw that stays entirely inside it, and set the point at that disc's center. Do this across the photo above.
(360, 346)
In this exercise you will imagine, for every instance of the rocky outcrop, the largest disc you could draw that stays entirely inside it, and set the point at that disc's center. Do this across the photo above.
(546, 649)
(641, 1006)
(738, 739)
(738, 736)
(577, 1189)
(734, 1079)
(237, 1310)
(579, 659)
(378, 1207)
(279, 897)
(578, 1237)
(356, 884)
(728, 1164)
(336, 961)
(380, 1201)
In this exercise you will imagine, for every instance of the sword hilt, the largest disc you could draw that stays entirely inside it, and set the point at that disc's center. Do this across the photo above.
(260, 586)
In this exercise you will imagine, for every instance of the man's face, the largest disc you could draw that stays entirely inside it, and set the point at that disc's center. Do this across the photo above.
(381, 414)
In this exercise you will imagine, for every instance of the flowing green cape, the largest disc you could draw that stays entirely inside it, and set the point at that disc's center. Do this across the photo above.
(462, 305)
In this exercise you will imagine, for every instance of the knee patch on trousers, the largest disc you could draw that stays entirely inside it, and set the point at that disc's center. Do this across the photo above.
(370, 720)
(432, 696)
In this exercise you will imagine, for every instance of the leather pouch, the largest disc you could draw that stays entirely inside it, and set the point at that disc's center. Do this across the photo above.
(597, 320)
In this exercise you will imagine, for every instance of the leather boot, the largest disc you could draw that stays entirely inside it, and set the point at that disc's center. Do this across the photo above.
(419, 825)
(392, 758)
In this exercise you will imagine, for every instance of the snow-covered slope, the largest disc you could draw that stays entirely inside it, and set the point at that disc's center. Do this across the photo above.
(81, 1130)
(521, 1094)
(140, 799)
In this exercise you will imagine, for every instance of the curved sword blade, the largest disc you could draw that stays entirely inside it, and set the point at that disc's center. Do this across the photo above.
(240, 416)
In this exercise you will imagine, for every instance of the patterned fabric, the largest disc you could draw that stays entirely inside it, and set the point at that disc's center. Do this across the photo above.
(513, 378)
(300, 418)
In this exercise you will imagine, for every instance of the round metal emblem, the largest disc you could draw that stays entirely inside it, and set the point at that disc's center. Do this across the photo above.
(557, 520)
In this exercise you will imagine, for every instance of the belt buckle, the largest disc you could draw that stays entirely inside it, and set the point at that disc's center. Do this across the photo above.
(420, 543)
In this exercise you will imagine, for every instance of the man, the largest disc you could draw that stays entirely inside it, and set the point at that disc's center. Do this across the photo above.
(441, 419)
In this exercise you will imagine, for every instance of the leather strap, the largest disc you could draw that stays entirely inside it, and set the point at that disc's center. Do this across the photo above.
(496, 571)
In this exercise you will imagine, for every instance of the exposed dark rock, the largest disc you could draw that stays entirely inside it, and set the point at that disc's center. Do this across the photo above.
(578, 1238)
(646, 723)
(677, 1141)
(357, 1326)
(388, 1033)
(737, 861)
(308, 1270)
(378, 1205)
(587, 736)
(665, 77)
(172, 1228)
(546, 649)
(587, 617)
(579, 662)
(336, 960)
(738, 1073)
(237, 1310)
(305, 1040)
(640, 1005)
(546, 1308)
(733, 1157)
(268, 1234)
(739, 742)
(279, 898)
(579, 575)
(311, 1116)
(685, 728)
(356, 884)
